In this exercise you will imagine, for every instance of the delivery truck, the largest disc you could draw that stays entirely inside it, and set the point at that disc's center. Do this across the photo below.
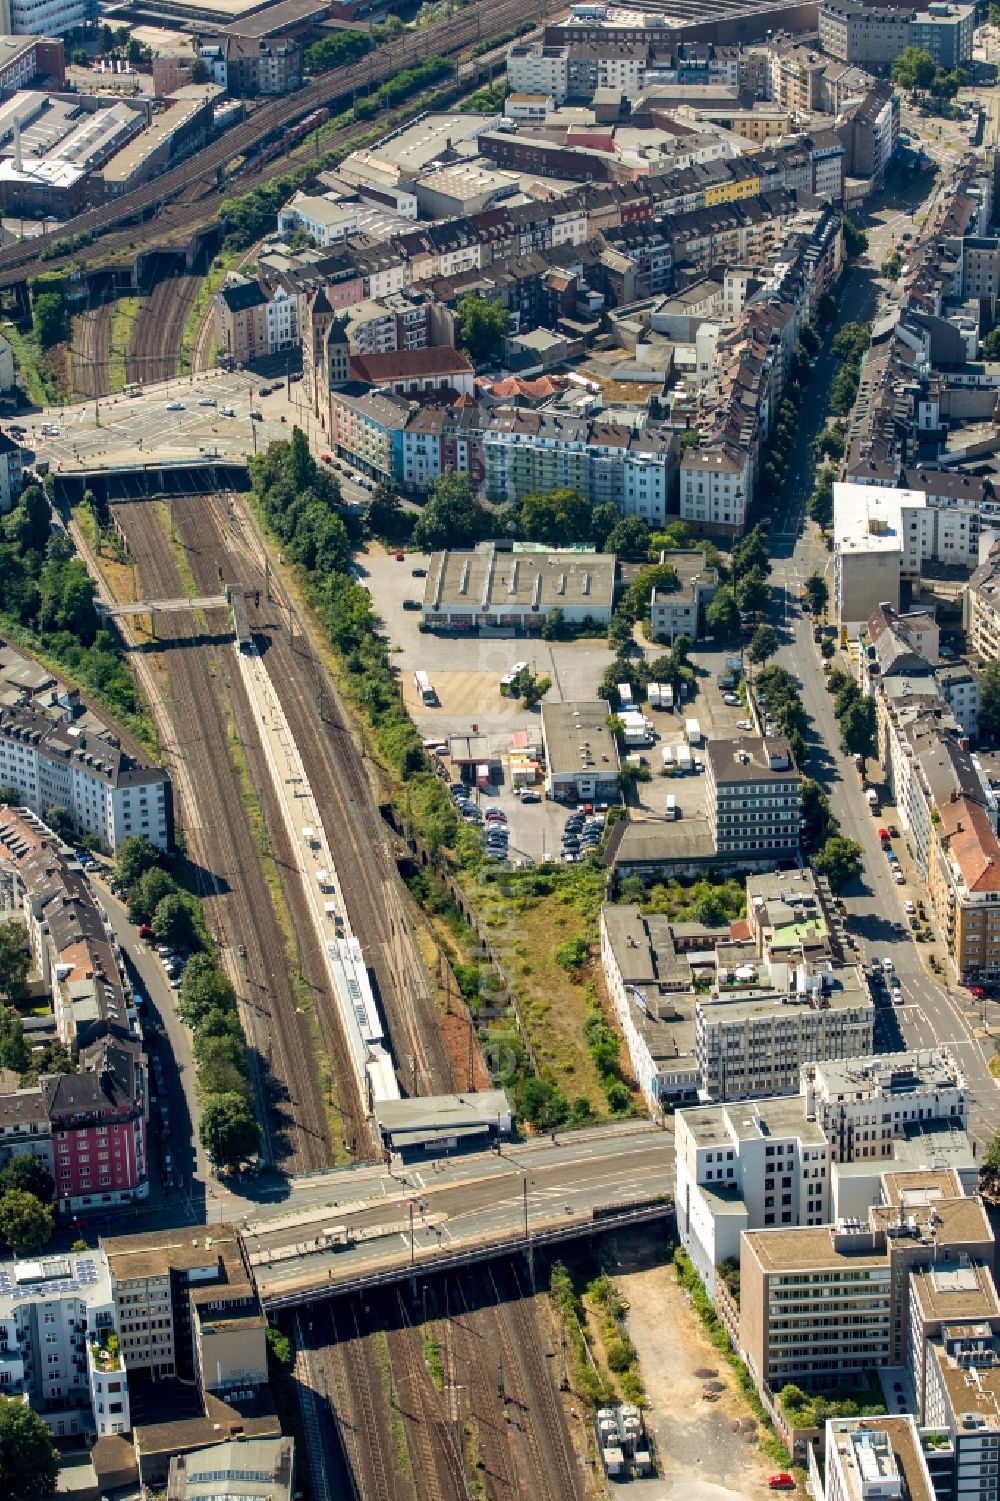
(692, 731)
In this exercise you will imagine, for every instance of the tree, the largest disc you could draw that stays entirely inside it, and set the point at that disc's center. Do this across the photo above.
(49, 319)
(29, 1175)
(173, 923)
(554, 624)
(817, 820)
(857, 728)
(204, 989)
(914, 69)
(989, 347)
(153, 886)
(628, 539)
(14, 1051)
(690, 438)
(892, 265)
(840, 860)
(60, 821)
(831, 442)
(989, 707)
(79, 58)
(751, 552)
(453, 517)
(482, 326)
(29, 1460)
(25, 1222)
(722, 616)
(8, 795)
(199, 71)
(855, 239)
(753, 592)
(384, 510)
(134, 856)
(228, 1131)
(993, 15)
(763, 644)
(817, 593)
(135, 53)
(556, 517)
(15, 960)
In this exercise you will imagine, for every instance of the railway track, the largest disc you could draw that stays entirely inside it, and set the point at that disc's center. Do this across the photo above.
(90, 356)
(197, 523)
(472, 1353)
(155, 345)
(371, 887)
(359, 1403)
(489, 19)
(435, 1454)
(208, 705)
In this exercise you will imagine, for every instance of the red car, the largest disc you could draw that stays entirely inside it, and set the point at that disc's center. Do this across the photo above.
(978, 992)
(145, 931)
(780, 1483)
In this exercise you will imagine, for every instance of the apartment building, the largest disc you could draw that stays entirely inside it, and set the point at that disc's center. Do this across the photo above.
(743, 1167)
(862, 1105)
(752, 787)
(536, 69)
(765, 1020)
(251, 322)
(153, 1276)
(715, 486)
(819, 1305)
(981, 608)
(964, 886)
(324, 218)
(46, 18)
(56, 1316)
(864, 34)
(945, 31)
(11, 467)
(961, 1402)
(953, 1304)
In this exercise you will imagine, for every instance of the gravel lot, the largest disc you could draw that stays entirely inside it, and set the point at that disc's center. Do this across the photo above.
(701, 1454)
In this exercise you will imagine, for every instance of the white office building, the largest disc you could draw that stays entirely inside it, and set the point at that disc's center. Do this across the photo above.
(746, 1167)
(864, 1104)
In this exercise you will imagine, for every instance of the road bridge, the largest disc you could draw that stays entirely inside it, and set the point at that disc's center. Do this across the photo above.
(366, 1227)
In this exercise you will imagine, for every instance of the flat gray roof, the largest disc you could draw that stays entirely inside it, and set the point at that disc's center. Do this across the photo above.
(496, 579)
(578, 739)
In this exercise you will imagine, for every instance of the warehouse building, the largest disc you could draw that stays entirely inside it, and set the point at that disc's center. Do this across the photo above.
(501, 587)
(581, 752)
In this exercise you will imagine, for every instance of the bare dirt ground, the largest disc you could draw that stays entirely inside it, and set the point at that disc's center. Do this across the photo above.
(704, 1438)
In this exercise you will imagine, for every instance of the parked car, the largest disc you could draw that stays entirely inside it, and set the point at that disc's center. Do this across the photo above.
(732, 699)
(898, 877)
(411, 604)
(528, 796)
(145, 931)
(908, 907)
(418, 573)
(781, 1482)
(744, 724)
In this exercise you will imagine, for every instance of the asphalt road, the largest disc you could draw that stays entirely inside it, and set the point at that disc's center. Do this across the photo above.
(461, 1202)
(933, 1014)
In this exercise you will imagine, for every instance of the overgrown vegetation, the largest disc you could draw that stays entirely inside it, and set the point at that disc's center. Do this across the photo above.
(813, 1410)
(47, 606)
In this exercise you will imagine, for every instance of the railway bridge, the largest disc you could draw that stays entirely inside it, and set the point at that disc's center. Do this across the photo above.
(364, 1227)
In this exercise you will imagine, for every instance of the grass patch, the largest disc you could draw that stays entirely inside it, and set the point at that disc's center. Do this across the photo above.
(164, 514)
(995, 1065)
(432, 1360)
(216, 275)
(380, 1346)
(35, 374)
(122, 320)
